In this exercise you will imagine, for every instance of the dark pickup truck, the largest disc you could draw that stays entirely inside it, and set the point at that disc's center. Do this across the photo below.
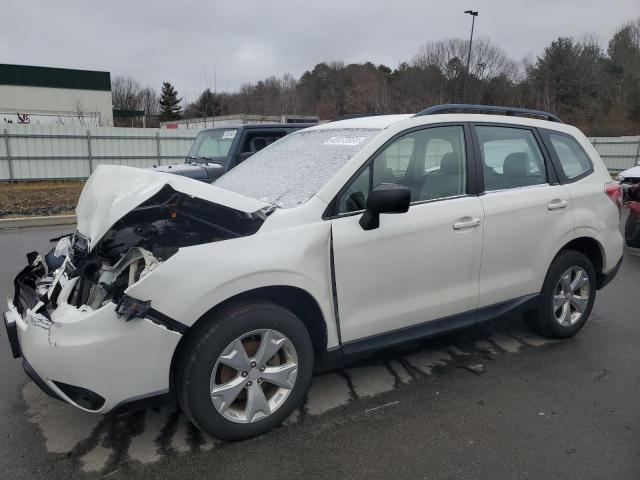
(218, 150)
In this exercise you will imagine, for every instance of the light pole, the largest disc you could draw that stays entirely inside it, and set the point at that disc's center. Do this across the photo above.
(473, 14)
(482, 66)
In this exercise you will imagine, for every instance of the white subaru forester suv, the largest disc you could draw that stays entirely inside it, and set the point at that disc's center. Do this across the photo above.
(342, 238)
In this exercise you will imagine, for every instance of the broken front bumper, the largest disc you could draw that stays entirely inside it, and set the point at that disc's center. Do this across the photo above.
(93, 359)
(11, 319)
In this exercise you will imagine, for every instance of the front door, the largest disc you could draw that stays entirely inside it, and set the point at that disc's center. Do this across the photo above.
(418, 266)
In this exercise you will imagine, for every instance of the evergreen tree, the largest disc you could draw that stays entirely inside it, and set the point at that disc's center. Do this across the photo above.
(624, 67)
(169, 102)
(207, 104)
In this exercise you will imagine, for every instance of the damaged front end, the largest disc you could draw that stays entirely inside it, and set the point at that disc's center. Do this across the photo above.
(132, 248)
(70, 309)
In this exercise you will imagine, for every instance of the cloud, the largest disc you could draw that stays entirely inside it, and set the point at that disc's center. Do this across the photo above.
(193, 43)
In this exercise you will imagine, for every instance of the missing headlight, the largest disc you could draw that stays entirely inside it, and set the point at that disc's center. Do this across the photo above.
(148, 235)
(114, 280)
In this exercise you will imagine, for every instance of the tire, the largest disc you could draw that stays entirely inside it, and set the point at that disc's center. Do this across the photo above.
(195, 379)
(544, 320)
(632, 231)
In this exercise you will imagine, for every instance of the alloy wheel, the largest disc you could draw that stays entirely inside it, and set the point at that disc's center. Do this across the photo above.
(254, 376)
(571, 296)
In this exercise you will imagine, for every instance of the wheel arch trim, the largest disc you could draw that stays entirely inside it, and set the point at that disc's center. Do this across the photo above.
(594, 250)
(295, 299)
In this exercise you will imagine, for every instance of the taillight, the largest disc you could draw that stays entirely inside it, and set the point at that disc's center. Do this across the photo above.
(614, 192)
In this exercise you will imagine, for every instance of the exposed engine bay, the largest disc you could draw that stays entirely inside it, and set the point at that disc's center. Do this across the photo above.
(132, 248)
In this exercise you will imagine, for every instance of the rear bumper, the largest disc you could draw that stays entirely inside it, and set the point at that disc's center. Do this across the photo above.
(606, 278)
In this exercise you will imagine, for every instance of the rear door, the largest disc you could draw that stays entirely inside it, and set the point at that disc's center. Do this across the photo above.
(595, 215)
(527, 213)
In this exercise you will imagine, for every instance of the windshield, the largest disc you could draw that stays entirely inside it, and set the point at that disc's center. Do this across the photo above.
(291, 170)
(212, 146)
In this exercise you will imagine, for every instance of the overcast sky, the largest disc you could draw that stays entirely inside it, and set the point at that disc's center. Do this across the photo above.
(247, 40)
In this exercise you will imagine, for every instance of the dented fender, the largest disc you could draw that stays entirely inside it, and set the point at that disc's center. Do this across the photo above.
(222, 270)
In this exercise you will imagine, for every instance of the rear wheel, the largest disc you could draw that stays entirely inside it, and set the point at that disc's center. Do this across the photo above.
(245, 371)
(566, 298)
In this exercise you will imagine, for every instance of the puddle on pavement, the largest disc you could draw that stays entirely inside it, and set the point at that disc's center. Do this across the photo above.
(103, 443)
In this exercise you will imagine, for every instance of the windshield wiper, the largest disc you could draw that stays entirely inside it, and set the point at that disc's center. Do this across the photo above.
(200, 159)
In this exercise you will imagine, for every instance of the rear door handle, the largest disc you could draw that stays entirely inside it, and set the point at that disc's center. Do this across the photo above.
(466, 222)
(557, 204)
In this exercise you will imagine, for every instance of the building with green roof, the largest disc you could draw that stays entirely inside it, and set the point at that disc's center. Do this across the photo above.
(62, 96)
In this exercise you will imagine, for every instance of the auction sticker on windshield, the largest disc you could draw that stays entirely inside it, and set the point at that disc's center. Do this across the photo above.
(229, 134)
(344, 140)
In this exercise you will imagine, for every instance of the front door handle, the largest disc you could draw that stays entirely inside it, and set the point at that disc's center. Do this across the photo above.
(557, 204)
(466, 222)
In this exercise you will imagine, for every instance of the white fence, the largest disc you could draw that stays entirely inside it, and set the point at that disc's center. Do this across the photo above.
(618, 153)
(37, 152)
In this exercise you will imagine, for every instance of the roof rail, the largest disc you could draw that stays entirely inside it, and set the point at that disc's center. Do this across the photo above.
(511, 111)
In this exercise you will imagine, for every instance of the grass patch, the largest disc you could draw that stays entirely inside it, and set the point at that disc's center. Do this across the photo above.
(23, 199)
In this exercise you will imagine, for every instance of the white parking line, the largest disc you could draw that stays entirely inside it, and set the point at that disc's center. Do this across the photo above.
(381, 406)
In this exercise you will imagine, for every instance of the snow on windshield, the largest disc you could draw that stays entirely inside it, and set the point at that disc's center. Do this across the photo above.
(293, 169)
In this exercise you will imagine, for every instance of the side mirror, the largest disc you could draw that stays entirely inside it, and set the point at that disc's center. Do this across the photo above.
(385, 198)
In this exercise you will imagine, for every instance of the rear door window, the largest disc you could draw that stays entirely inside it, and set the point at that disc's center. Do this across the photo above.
(511, 158)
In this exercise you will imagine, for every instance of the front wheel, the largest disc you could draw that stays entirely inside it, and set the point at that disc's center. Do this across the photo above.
(567, 296)
(245, 371)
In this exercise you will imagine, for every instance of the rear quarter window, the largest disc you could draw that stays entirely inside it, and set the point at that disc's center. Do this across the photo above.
(569, 155)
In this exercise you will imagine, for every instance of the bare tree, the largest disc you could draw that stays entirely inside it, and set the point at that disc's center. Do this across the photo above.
(125, 93)
(80, 117)
(487, 60)
(149, 101)
(598, 90)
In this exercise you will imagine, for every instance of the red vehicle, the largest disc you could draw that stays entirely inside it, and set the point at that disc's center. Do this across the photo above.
(632, 227)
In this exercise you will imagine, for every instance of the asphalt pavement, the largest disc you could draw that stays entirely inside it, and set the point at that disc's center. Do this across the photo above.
(492, 402)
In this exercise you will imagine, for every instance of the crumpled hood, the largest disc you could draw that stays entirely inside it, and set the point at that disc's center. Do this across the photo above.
(112, 191)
